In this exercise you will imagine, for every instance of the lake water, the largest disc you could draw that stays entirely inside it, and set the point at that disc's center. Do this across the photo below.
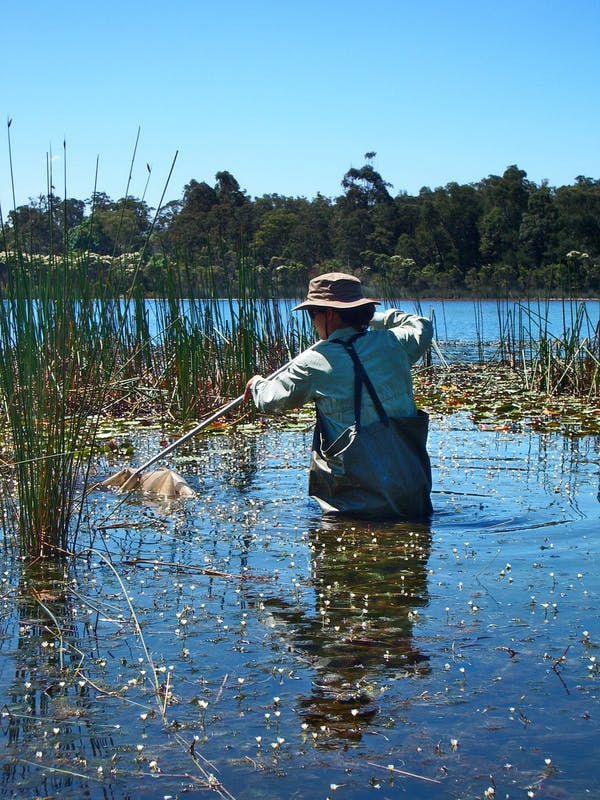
(455, 320)
(236, 641)
(465, 330)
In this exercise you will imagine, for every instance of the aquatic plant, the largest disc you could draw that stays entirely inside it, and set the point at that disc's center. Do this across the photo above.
(210, 340)
(73, 350)
(54, 375)
(80, 340)
(60, 347)
(555, 363)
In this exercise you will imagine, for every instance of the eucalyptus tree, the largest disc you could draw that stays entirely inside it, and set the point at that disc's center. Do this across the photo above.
(231, 215)
(538, 232)
(311, 237)
(272, 236)
(359, 214)
(121, 226)
(292, 229)
(459, 207)
(187, 228)
(505, 200)
(578, 208)
(437, 255)
(35, 227)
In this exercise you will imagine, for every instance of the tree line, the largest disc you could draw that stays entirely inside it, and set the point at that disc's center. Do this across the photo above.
(502, 235)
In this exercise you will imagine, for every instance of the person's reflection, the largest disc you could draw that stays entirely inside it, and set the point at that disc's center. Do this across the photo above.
(370, 582)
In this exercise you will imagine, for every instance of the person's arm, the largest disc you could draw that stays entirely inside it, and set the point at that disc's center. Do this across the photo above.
(291, 389)
(413, 331)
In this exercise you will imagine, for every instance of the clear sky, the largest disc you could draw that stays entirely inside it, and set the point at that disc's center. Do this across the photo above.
(287, 95)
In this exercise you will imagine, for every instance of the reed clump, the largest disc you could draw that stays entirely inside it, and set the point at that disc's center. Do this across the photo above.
(193, 348)
(553, 362)
(56, 365)
(74, 352)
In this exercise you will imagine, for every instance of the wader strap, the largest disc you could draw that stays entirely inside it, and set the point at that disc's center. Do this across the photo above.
(360, 377)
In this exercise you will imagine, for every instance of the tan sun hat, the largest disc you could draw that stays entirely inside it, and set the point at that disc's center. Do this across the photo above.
(335, 290)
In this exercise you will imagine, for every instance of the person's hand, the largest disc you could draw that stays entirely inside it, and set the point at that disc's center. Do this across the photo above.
(247, 392)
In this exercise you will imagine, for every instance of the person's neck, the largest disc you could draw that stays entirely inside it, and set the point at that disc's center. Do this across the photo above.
(333, 322)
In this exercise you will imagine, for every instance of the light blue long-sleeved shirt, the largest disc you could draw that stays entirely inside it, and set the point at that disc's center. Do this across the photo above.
(325, 373)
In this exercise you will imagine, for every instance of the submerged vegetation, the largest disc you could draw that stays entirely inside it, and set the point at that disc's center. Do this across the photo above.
(534, 377)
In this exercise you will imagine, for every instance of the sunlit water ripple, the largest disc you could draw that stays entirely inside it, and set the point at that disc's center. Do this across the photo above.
(298, 656)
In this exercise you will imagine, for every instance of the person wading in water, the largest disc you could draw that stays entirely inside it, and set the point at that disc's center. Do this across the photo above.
(369, 456)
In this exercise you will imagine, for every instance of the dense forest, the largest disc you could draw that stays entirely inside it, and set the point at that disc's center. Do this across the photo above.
(502, 235)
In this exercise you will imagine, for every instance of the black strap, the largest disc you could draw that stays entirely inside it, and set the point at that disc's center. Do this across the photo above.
(360, 377)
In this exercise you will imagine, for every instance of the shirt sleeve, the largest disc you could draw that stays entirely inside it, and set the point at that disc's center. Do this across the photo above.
(291, 389)
(414, 332)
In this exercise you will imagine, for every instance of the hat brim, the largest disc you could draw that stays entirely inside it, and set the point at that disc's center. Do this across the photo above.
(364, 301)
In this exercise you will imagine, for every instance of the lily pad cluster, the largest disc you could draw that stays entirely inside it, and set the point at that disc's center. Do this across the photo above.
(496, 398)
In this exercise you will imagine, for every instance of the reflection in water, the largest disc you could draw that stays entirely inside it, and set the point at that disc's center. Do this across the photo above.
(45, 717)
(369, 583)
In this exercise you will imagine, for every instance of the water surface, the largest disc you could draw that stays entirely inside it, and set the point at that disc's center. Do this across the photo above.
(302, 659)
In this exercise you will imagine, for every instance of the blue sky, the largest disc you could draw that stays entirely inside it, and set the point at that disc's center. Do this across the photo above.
(287, 96)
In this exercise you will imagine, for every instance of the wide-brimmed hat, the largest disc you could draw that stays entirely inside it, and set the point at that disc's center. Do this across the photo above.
(335, 290)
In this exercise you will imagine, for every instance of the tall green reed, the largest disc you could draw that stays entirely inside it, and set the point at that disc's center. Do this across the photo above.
(62, 331)
(215, 334)
(54, 373)
(566, 361)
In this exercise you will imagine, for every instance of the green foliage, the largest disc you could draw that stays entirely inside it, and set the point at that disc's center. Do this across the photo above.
(501, 234)
(75, 349)
(55, 369)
